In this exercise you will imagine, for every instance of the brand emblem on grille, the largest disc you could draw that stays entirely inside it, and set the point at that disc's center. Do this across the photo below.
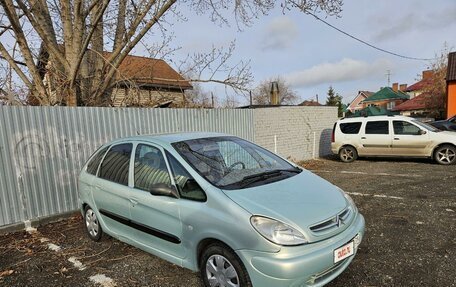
(339, 221)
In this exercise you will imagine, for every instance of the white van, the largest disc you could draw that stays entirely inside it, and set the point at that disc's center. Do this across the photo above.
(396, 136)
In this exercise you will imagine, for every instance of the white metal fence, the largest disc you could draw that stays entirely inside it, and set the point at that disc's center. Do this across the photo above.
(43, 148)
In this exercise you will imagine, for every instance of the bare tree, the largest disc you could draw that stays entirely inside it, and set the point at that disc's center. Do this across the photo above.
(262, 93)
(67, 39)
(435, 86)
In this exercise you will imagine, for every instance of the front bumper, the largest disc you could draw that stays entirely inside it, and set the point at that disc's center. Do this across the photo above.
(306, 265)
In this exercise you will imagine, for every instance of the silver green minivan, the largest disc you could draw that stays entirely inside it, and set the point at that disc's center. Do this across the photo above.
(237, 213)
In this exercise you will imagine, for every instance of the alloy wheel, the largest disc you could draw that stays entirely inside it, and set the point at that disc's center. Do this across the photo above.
(221, 273)
(91, 221)
(347, 154)
(446, 155)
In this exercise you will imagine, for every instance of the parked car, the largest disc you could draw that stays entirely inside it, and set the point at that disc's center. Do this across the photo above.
(446, 125)
(236, 212)
(396, 136)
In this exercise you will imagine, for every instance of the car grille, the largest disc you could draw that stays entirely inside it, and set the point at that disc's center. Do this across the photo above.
(332, 223)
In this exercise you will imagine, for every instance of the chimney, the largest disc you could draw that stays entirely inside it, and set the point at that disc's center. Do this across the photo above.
(274, 93)
(427, 74)
(395, 87)
(403, 87)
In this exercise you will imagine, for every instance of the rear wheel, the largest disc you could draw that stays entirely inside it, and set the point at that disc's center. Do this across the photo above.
(221, 267)
(348, 154)
(445, 154)
(92, 224)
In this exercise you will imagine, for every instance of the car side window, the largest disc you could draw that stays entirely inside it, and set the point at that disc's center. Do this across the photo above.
(116, 164)
(377, 128)
(405, 128)
(94, 163)
(150, 167)
(186, 184)
(350, 128)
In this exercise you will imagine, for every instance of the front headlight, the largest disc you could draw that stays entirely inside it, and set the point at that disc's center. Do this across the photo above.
(277, 232)
(350, 201)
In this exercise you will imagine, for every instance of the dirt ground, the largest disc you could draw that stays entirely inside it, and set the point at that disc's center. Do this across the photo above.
(410, 211)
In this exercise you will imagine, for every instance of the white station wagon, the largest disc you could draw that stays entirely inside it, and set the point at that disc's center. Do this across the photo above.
(396, 136)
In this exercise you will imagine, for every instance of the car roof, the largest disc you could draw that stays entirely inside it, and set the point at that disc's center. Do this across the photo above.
(168, 138)
(373, 118)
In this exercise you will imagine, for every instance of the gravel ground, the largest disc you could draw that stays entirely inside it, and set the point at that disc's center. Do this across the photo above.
(410, 211)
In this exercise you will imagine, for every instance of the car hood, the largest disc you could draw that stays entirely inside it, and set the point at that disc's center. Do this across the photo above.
(446, 136)
(301, 201)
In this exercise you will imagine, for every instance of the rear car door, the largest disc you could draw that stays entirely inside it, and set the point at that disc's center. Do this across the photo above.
(156, 218)
(376, 139)
(409, 139)
(111, 191)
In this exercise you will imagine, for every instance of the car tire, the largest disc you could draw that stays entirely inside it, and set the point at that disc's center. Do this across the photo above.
(445, 155)
(92, 224)
(219, 264)
(348, 154)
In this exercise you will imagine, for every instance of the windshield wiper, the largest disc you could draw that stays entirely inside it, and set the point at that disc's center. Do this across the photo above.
(250, 179)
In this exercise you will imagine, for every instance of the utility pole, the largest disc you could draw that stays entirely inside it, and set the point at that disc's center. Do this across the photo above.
(212, 99)
(316, 96)
(251, 100)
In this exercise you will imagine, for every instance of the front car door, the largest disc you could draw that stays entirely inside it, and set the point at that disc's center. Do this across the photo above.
(156, 218)
(409, 139)
(111, 192)
(376, 139)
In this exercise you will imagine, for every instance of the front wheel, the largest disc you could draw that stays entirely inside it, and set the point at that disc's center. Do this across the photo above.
(445, 155)
(348, 154)
(221, 267)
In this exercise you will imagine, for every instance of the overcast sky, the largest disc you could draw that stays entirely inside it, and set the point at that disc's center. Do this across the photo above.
(311, 56)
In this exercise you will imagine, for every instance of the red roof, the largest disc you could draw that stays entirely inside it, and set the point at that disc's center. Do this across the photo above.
(418, 86)
(420, 102)
(149, 71)
(310, 103)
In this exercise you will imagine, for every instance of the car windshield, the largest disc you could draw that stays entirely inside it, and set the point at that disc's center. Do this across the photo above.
(233, 163)
(426, 126)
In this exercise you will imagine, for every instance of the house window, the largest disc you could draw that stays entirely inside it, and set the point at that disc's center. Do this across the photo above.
(391, 105)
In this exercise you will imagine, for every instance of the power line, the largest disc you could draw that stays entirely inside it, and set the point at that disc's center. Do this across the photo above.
(368, 44)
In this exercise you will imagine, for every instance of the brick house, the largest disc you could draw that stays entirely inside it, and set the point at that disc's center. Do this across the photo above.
(418, 88)
(356, 104)
(451, 85)
(416, 107)
(387, 98)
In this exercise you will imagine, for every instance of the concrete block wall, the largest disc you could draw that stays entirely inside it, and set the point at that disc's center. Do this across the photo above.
(297, 133)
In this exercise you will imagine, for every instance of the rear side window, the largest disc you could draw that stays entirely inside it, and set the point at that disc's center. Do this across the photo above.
(116, 164)
(377, 128)
(92, 166)
(350, 128)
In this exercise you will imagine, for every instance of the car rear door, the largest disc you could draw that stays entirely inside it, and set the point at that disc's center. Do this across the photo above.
(111, 191)
(376, 138)
(409, 139)
(156, 218)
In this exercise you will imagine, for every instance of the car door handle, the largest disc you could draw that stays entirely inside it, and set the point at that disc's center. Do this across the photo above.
(134, 201)
(396, 139)
(363, 138)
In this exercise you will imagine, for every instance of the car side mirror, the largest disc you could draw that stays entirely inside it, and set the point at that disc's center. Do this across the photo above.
(422, 132)
(162, 189)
